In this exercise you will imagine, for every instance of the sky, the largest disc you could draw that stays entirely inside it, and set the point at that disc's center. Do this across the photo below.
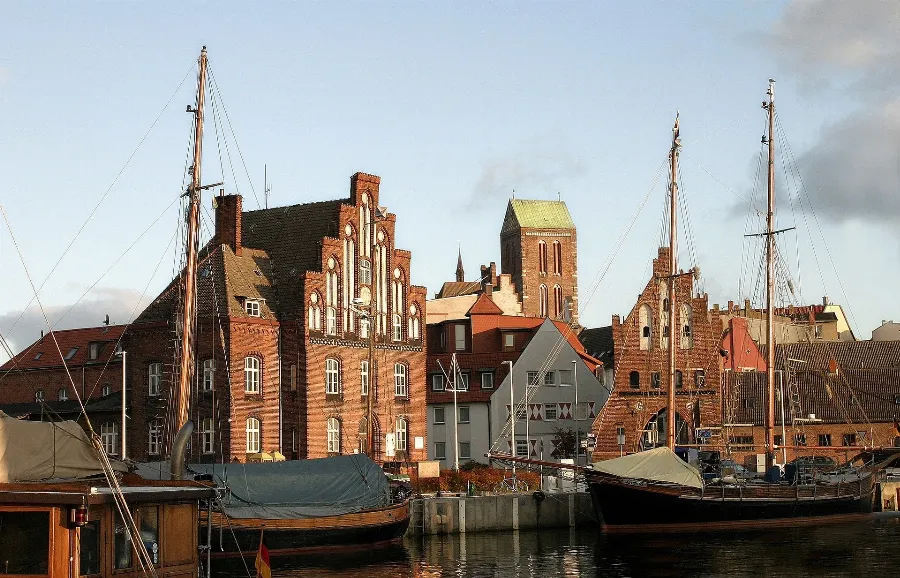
(457, 106)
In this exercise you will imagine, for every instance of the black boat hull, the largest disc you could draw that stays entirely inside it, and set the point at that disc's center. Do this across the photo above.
(626, 505)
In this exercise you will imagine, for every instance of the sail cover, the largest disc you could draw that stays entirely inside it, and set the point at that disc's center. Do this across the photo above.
(31, 451)
(293, 489)
(658, 464)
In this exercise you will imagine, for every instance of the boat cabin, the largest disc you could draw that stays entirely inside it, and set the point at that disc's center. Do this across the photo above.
(72, 529)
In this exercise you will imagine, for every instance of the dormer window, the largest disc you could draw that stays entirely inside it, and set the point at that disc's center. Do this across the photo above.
(251, 306)
(94, 351)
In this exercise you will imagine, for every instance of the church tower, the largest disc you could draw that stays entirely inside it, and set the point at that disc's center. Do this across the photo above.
(460, 273)
(538, 249)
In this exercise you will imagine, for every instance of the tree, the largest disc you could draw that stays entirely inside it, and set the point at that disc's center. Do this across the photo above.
(564, 442)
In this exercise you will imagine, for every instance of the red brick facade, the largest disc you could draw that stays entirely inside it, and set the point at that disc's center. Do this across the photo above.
(642, 361)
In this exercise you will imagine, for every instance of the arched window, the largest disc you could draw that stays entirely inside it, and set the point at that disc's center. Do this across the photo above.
(542, 257)
(109, 436)
(63, 394)
(400, 383)
(207, 435)
(39, 395)
(413, 322)
(253, 435)
(542, 297)
(154, 437)
(334, 435)
(687, 332)
(332, 376)
(402, 432)
(679, 379)
(315, 313)
(557, 302)
(331, 320)
(209, 373)
(331, 296)
(645, 319)
(154, 377)
(557, 258)
(251, 374)
(634, 380)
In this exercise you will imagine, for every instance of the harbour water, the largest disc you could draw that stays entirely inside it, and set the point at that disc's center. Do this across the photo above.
(869, 547)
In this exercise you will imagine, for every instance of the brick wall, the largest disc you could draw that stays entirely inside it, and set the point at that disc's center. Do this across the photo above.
(520, 251)
(633, 407)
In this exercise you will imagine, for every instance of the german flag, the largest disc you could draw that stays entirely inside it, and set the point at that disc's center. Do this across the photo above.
(263, 567)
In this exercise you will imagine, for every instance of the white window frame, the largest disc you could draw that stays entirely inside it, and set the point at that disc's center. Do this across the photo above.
(93, 351)
(209, 374)
(106, 390)
(462, 381)
(398, 327)
(332, 376)
(550, 379)
(443, 415)
(331, 320)
(63, 394)
(402, 431)
(487, 380)
(566, 377)
(364, 377)
(531, 377)
(154, 437)
(459, 336)
(365, 272)
(440, 454)
(252, 308)
(333, 428)
(401, 384)
(438, 379)
(39, 396)
(109, 436)
(154, 377)
(253, 428)
(551, 408)
(252, 374)
(207, 436)
(518, 444)
(468, 414)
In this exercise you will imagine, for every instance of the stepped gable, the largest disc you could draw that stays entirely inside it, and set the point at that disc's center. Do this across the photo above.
(292, 238)
(43, 352)
(847, 354)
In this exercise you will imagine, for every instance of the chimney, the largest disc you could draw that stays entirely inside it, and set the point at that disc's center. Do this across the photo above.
(493, 273)
(228, 222)
(825, 301)
(746, 308)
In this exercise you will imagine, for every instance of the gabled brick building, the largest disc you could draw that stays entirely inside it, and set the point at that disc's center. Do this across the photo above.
(636, 409)
(284, 297)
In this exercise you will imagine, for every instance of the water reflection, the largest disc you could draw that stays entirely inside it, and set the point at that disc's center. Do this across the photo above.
(863, 548)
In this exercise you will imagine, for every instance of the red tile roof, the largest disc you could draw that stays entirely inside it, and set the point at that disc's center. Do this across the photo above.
(484, 305)
(44, 353)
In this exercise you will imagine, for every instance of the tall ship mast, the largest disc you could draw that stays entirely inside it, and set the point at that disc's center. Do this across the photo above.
(673, 272)
(770, 283)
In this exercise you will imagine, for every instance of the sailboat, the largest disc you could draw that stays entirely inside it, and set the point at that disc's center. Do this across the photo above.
(340, 501)
(656, 490)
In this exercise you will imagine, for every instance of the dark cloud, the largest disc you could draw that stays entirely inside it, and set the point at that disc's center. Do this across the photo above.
(120, 304)
(529, 174)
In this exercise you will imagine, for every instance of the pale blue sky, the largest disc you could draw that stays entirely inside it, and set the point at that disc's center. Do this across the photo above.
(454, 105)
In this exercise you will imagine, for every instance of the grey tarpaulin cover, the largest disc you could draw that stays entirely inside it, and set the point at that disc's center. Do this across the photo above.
(31, 451)
(296, 488)
(658, 464)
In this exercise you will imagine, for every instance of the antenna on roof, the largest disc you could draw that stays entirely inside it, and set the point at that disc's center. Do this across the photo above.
(106, 321)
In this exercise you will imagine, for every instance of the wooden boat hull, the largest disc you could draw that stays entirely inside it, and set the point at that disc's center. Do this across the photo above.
(233, 537)
(630, 505)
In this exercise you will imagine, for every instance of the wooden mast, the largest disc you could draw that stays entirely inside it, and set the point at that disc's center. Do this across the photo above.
(673, 222)
(770, 285)
(188, 312)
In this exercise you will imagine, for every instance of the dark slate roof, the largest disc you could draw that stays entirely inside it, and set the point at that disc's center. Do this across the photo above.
(847, 354)
(292, 239)
(598, 342)
(44, 349)
(856, 396)
(457, 288)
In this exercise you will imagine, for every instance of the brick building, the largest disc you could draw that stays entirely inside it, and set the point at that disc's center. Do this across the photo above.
(36, 383)
(538, 249)
(284, 300)
(483, 342)
(636, 409)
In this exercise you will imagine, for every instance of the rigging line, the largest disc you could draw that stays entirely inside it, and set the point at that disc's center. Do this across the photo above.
(819, 226)
(103, 197)
(231, 128)
(212, 105)
(721, 129)
(718, 180)
(220, 130)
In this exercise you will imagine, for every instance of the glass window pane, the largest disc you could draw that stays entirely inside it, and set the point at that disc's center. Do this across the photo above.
(90, 549)
(124, 551)
(24, 542)
(150, 531)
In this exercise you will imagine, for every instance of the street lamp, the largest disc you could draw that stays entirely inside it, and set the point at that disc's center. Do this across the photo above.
(121, 352)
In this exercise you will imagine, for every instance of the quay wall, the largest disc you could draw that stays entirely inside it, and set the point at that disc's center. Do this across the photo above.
(458, 515)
